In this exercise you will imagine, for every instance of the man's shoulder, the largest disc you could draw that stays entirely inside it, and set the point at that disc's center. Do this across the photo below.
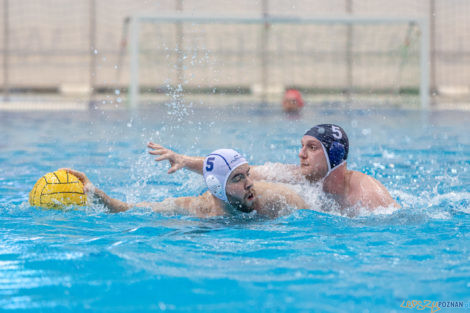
(207, 205)
(359, 179)
(368, 190)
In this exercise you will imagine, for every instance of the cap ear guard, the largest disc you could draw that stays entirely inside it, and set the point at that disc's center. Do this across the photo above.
(336, 154)
(217, 168)
(215, 187)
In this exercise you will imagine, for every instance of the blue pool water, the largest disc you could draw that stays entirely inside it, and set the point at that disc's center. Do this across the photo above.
(308, 261)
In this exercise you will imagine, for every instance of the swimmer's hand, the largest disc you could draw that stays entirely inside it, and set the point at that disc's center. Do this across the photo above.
(98, 195)
(88, 187)
(177, 161)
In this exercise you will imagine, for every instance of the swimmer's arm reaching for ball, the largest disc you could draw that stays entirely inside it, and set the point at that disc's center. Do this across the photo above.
(273, 172)
(199, 206)
(183, 205)
(114, 205)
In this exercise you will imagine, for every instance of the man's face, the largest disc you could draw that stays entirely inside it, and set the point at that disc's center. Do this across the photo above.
(313, 163)
(290, 104)
(239, 189)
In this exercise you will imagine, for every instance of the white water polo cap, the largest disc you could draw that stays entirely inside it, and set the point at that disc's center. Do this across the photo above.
(217, 168)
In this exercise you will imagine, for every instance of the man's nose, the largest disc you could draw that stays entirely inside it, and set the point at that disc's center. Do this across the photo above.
(249, 183)
(302, 153)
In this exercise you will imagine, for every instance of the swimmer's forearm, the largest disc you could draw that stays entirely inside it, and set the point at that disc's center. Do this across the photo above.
(179, 205)
(114, 205)
(276, 172)
(194, 164)
(257, 172)
(171, 205)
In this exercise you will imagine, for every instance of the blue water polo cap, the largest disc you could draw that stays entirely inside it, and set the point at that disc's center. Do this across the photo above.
(217, 168)
(334, 141)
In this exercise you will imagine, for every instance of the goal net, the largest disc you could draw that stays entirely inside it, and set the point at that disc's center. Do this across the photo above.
(350, 58)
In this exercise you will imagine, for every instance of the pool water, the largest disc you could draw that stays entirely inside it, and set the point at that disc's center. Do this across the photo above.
(84, 259)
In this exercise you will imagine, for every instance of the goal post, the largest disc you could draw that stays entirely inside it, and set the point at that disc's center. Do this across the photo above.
(205, 53)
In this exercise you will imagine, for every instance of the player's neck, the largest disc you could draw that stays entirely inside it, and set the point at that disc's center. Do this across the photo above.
(336, 183)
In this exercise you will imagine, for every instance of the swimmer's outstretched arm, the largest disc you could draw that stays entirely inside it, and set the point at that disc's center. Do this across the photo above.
(273, 172)
(198, 206)
(277, 173)
(183, 205)
(114, 205)
(177, 161)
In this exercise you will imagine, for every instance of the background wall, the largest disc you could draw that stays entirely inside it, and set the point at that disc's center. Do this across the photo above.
(48, 44)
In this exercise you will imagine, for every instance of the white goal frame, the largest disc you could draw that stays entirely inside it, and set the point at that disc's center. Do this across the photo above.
(136, 20)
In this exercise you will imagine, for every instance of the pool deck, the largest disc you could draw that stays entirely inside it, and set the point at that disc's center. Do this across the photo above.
(55, 102)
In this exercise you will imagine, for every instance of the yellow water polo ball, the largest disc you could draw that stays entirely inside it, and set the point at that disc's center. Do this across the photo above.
(56, 190)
